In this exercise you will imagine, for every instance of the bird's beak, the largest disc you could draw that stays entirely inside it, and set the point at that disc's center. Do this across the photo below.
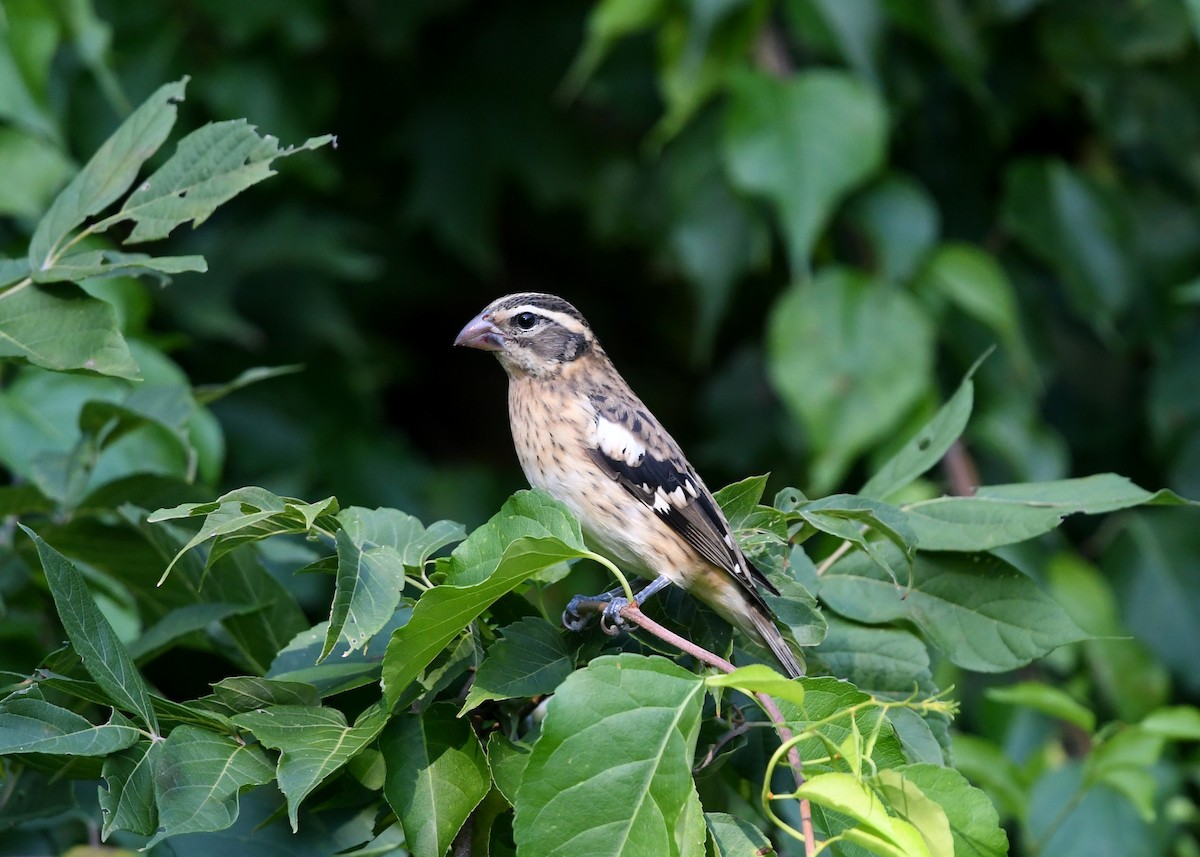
(480, 333)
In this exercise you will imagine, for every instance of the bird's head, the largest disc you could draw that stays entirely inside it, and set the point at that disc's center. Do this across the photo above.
(531, 333)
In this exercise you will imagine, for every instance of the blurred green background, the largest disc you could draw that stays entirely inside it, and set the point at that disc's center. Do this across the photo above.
(794, 226)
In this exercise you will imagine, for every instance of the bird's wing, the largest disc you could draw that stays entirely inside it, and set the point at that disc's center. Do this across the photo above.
(635, 451)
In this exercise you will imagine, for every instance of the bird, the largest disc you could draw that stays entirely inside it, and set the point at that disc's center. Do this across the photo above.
(585, 438)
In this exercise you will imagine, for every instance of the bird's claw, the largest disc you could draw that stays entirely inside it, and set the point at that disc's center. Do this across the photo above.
(580, 608)
(611, 620)
(579, 611)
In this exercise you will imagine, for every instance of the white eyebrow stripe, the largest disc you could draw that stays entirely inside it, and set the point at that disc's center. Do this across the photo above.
(560, 318)
(619, 443)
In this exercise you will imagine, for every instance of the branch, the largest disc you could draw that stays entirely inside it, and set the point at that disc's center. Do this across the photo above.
(634, 615)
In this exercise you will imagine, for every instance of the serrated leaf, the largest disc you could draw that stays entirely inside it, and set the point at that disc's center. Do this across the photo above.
(104, 656)
(530, 658)
(982, 612)
(198, 780)
(610, 773)
(244, 515)
(127, 796)
(736, 837)
(109, 173)
(507, 761)
(443, 612)
(414, 542)
(436, 775)
(369, 583)
(530, 513)
(314, 743)
(973, 820)
(876, 830)
(248, 692)
(60, 327)
(1092, 495)
(35, 726)
(978, 523)
(113, 263)
(854, 518)
(850, 357)
(803, 142)
(928, 445)
(909, 802)
(824, 698)
(210, 166)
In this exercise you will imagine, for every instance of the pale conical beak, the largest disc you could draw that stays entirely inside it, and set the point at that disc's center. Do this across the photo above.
(480, 333)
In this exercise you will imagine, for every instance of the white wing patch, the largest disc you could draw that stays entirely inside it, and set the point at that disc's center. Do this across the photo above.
(619, 443)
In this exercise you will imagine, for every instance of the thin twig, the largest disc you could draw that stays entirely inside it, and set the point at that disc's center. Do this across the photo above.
(633, 614)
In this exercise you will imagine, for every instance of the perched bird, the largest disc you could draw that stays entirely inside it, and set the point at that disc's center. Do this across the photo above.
(585, 438)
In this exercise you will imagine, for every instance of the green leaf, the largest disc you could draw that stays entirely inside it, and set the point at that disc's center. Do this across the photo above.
(853, 518)
(179, 623)
(899, 218)
(736, 837)
(62, 328)
(876, 831)
(990, 767)
(850, 357)
(206, 394)
(978, 523)
(443, 612)
(369, 583)
(109, 173)
(1072, 820)
(113, 263)
(127, 796)
(797, 609)
(1175, 723)
(210, 166)
(314, 743)
(1051, 701)
(529, 659)
(248, 693)
(973, 281)
(1092, 495)
(928, 445)
(103, 655)
(530, 513)
(436, 775)
(199, 778)
(893, 664)
(803, 143)
(1078, 231)
(403, 533)
(244, 515)
(759, 678)
(825, 698)
(36, 726)
(609, 22)
(42, 168)
(507, 760)
(611, 771)
(983, 613)
(972, 819)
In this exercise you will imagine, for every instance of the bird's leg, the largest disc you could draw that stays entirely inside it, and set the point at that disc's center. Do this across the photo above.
(609, 605)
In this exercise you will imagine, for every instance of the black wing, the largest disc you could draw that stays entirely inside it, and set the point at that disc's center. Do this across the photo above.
(652, 468)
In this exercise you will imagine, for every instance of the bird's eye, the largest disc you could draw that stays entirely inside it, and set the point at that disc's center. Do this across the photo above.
(526, 320)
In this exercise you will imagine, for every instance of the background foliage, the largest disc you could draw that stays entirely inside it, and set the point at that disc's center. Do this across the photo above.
(795, 226)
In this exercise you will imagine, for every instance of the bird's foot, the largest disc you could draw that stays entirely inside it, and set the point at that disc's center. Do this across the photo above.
(581, 608)
(611, 620)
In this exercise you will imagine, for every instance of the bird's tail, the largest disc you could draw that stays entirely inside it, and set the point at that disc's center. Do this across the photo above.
(769, 636)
